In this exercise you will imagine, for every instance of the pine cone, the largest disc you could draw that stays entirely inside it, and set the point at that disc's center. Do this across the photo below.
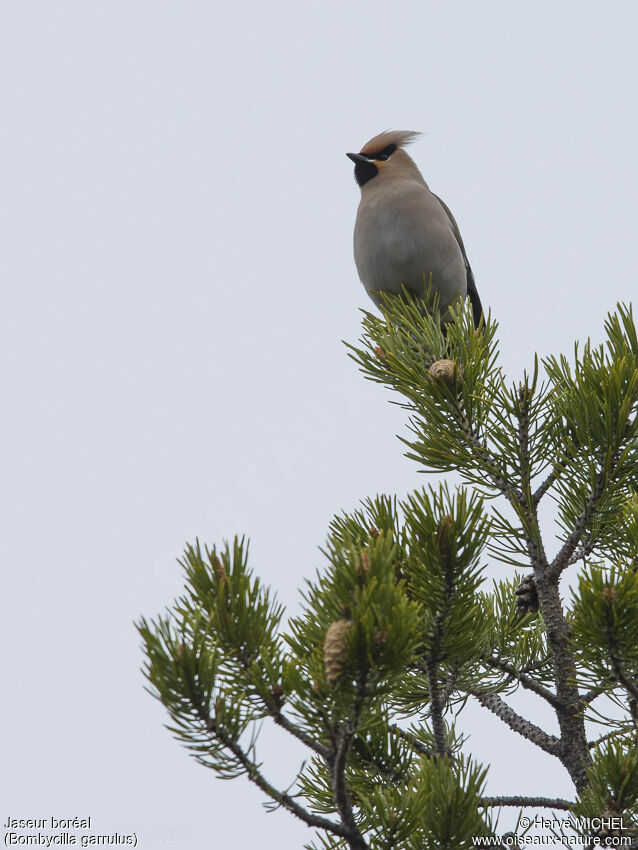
(443, 371)
(609, 594)
(527, 596)
(335, 649)
(380, 353)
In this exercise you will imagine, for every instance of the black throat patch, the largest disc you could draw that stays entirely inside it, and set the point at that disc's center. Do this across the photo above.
(364, 171)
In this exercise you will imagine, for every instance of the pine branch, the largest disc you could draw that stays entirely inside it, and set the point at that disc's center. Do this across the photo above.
(526, 681)
(485, 457)
(593, 694)
(341, 795)
(551, 479)
(528, 802)
(628, 684)
(544, 486)
(523, 431)
(573, 750)
(436, 710)
(513, 494)
(392, 836)
(568, 549)
(254, 774)
(603, 738)
(412, 740)
(285, 800)
(448, 688)
(285, 723)
(581, 552)
(549, 743)
(501, 442)
(437, 700)
(536, 664)
(529, 507)
(337, 761)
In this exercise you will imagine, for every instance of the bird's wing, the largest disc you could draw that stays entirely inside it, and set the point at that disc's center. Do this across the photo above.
(472, 292)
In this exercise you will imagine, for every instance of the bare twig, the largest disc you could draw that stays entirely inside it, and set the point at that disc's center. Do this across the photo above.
(436, 710)
(536, 663)
(511, 493)
(628, 684)
(528, 507)
(581, 552)
(593, 694)
(450, 682)
(341, 794)
(412, 740)
(255, 775)
(514, 495)
(526, 681)
(285, 800)
(285, 723)
(548, 743)
(544, 486)
(603, 738)
(567, 550)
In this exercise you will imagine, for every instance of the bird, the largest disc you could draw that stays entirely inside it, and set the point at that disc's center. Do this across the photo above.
(404, 234)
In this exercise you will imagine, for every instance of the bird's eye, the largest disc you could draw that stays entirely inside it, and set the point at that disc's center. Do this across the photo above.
(385, 154)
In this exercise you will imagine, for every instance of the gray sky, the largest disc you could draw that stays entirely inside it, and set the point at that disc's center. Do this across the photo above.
(177, 270)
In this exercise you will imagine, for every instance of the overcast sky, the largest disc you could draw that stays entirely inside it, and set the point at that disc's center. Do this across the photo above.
(177, 278)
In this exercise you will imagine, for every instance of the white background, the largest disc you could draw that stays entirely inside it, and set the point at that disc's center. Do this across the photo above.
(177, 277)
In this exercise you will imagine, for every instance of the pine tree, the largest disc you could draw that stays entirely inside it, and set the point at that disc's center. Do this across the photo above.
(402, 628)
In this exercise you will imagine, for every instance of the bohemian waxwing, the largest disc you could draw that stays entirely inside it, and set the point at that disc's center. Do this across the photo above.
(404, 233)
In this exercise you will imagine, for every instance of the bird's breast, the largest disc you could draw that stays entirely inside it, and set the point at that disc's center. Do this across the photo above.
(402, 241)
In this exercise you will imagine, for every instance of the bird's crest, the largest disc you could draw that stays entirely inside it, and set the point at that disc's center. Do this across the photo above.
(389, 138)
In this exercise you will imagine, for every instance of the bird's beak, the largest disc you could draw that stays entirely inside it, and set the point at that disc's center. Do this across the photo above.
(358, 157)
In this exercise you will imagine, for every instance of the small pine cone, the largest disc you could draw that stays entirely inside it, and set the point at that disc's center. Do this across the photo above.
(527, 596)
(443, 371)
(380, 353)
(609, 594)
(335, 649)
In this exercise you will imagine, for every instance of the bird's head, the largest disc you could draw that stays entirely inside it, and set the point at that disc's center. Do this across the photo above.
(384, 157)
